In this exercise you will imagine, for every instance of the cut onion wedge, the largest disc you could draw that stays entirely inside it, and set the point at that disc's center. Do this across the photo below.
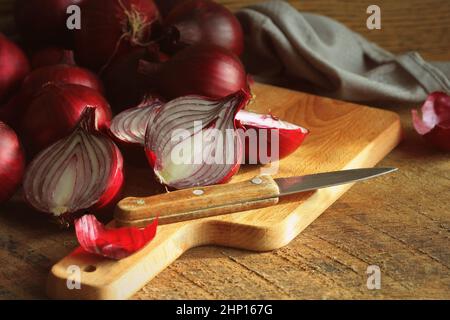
(83, 171)
(128, 127)
(192, 140)
(434, 125)
(115, 244)
(267, 138)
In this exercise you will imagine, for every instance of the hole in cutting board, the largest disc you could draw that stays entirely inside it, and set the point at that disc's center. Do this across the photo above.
(90, 268)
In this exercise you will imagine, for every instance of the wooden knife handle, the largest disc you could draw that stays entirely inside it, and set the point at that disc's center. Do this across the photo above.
(195, 203)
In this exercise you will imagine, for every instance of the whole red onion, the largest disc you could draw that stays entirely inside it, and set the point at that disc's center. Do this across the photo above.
(61, 73)
(12, 162)
(202, 21)
(14, 67)
(44, 21)
(165, 6)
(51, 56)
(125, 86)
(111, 28)
(55, 111)
(202, 69)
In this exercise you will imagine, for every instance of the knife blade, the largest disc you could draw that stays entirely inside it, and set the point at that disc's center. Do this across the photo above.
(202, 202)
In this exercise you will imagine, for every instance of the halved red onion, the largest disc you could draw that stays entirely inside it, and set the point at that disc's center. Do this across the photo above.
(192, 140)
(83, 171)
(434, 125)
(128, 127)
(116, 244)
(268, 138)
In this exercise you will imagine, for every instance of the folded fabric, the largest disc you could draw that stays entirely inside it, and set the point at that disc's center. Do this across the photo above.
(308, 51)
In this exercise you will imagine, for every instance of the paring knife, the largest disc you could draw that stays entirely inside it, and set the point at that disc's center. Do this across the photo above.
(201, 202)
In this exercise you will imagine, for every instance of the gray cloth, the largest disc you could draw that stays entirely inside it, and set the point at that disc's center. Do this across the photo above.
(303, 50)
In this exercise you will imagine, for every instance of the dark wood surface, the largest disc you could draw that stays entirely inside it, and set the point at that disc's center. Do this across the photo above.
(399, 223)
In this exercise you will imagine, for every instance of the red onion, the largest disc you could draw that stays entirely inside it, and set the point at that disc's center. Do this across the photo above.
(202, 21)
(115, 244)
(129, 126)
(191, 141)
(125, 86)
(52, 55)
(55, 111)
(14, 67)
(205, 70)
(434, 125)
(83, 171)
(165, 6)
(267, 138)
(61, 73)
(111, 28)
(12, 162)
(44, 21)
(128, 130)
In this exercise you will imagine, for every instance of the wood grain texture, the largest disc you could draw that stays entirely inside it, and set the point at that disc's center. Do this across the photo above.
(183, 205)
(400, 223)
(343, 136)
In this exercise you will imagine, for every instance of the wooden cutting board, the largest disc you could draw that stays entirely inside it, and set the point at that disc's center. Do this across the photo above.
(343, 136)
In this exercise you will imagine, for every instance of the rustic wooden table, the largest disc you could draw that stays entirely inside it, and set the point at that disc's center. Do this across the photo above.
(401, 226)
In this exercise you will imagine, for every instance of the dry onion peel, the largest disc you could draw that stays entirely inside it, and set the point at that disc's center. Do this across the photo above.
(115, 244)
(434, 125)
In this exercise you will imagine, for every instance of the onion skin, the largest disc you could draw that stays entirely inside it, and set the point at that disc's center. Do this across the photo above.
(52, 56)
(44, 21)
(111, 28)
(114, 244)
(55, 111)
(434, 125)
(202, 21)
(14, 66)
(289, 136)
(12, 162)
(205, 70)
(82, 171)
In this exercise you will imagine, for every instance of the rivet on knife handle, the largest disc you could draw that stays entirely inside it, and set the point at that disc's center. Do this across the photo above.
(198, 203)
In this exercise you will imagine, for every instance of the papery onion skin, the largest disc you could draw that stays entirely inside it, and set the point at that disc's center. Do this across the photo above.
(290, 137)
(115, 244)
(111, 28)
(434, 125)
(12, 162)
(14, 66)
(43, 22)
(55, 111)
(183, 114)
(205, 70)
(51, 56)
(202, 21)
(95, 179)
